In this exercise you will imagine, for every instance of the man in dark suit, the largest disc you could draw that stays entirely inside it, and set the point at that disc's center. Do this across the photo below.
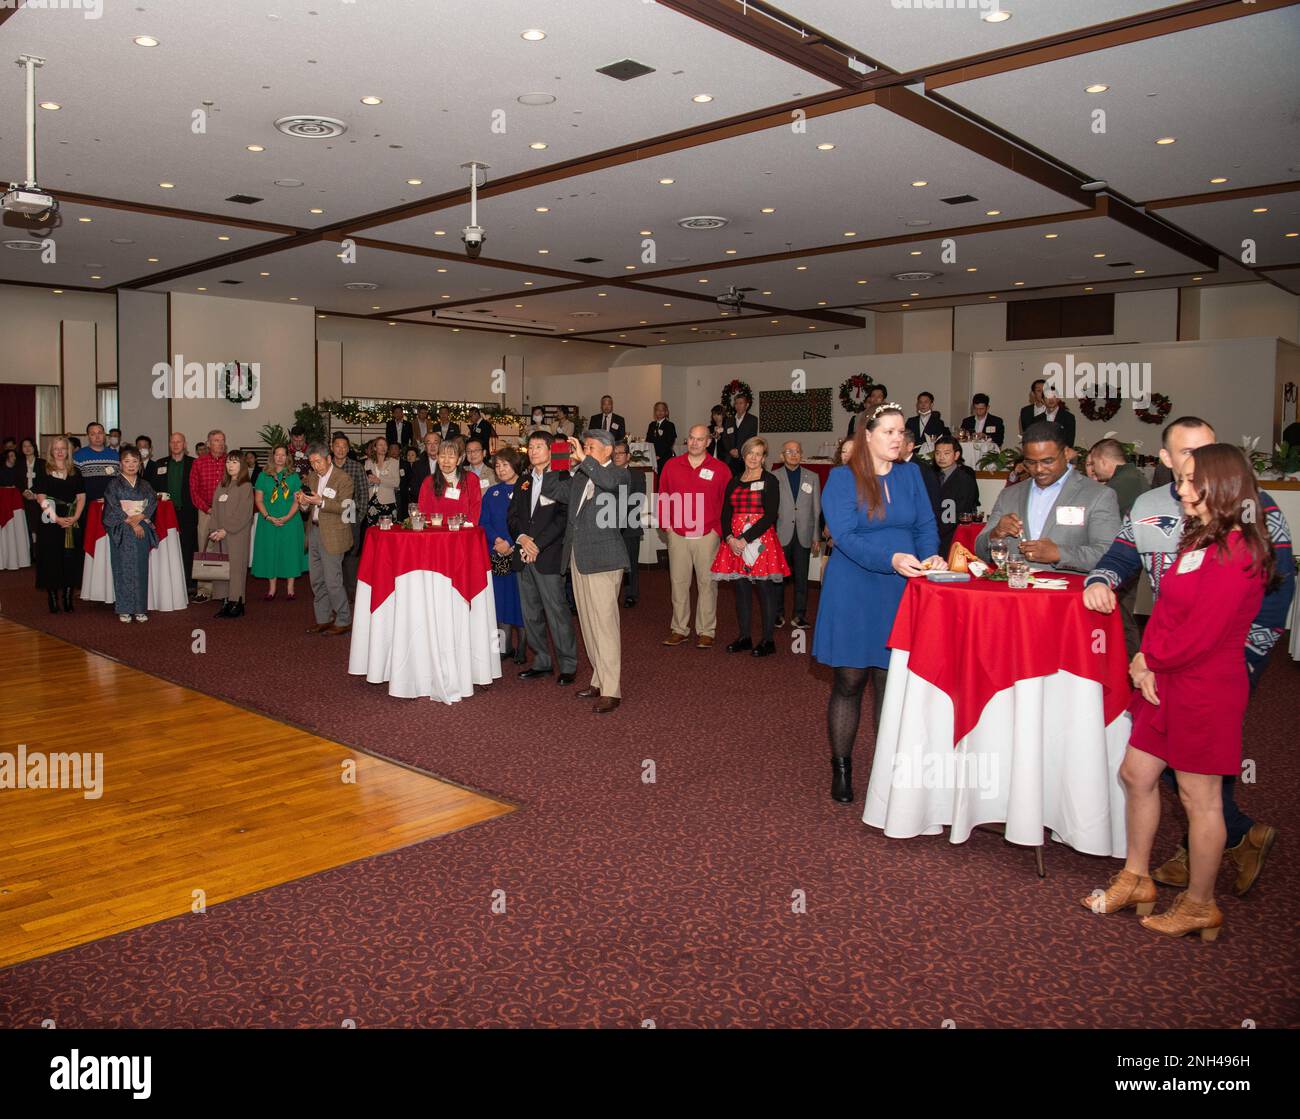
(661, 433)
(928, 473)
(1058, 414)
(421, 425)
(446, 426)
(398, 430)
(537, 518)
(608, 420)
(414, 475)
(740, 428)
(596, 556)
(876, 396)
(171, 476)
(959, 492)
(1036, 407)
(633, 530)
(927, 424)
(480, 429)
(982, 422)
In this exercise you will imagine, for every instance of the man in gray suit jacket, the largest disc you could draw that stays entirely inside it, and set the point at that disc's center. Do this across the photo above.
(798, 525)
(1060, 519)
(596, 556)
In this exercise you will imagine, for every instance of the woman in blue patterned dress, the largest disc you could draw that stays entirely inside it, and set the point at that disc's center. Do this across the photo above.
(129, 506)
(505, 588)
(879, 514)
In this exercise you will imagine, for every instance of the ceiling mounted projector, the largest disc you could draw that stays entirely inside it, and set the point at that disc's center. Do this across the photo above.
(27, 198)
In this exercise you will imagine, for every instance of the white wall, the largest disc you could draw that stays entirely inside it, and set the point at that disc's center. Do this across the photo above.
(1140, 316)
(1249, 311)
(142, 343)
(29, 332)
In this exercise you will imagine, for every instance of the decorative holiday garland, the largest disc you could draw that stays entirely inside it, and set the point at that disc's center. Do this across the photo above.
(354, 412)
(729, 391)
(1098, 409)
(853, 392)
(1157, 410)
(241, 382)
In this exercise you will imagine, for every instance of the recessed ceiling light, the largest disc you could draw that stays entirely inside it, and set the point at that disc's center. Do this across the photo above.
(167, 186)
(320, 316)
(1098, 256)
(821, 303)
(862, 281)
(1291, 235)
(915, 252)
(255, 148)
(904, 304)
(444, 297)
(145, 41)
(543, 252)
(51, 105)
(200, 289)
(767, 293)
(801, 268)
(642, 321)
(972, 269)
(825, 147)
(85, 219)
(533, 35)
(992, 213)
(541, 210)
(1195, 278)
(1019, 284)
(1139, 271)
(1051, 236)
(702, 98)
(1096, 88)
(920, 183)
(629, 267)
(57, 291)
(850, 233)
(528, 283)
(1260, 210)
(812, 328)
(151, 260)
(293, 299)
(602, 295)
(1164, 141)
(536, 99)
(455, 330)
(537, 146)
(703, 281)
(440, 233)
(1218, 179)
(730, 252)
(646, 232)
(1087, 289)
(315, 210)
(374, 306)
(264, 273)
(667, 182)
(768, 210)
(622, 335)
(372, 100)
(913, 294)
(775, 321)
(996, 17)
(96, 277)
(992, 296)
(518, 306)
(415, 182)
(667, 304)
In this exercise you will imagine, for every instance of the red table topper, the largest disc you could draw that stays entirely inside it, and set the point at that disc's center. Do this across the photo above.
(11, 502)
(967, 534)
(973, 640)
(389, 554)
(164, 520)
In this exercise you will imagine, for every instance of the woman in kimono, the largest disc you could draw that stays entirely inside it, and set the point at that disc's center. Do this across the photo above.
(231, 526)
(61, 492)
(129, 506)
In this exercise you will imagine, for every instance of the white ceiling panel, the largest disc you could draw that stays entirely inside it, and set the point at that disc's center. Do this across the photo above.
(1274, 234)
(447, 73)
(1226, 94)
(911, 34)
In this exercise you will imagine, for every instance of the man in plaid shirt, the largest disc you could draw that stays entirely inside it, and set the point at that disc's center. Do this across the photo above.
(1149, 538)
(205, 474)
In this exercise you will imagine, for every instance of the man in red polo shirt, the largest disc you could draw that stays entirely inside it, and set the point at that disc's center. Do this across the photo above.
(689, 506)
(206, 472)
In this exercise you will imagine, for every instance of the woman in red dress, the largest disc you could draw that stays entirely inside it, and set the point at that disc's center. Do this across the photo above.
(751, 556)
(451, 488)
(1191, 676)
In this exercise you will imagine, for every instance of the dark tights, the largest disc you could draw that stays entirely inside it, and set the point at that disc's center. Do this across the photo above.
(769, 595)
(845, 709)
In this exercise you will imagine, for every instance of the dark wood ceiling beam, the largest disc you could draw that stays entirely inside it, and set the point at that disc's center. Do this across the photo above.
(225, 260)
(461, 258)
(471, 326)
(1174, 239)
(1235, 194)
(488, 298)
(174, 212)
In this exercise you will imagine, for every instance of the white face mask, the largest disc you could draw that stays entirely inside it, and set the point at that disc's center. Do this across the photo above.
(144, 453)
(537, 417)
(113, 441)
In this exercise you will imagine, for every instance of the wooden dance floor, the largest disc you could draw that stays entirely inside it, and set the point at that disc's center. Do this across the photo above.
(197, 795)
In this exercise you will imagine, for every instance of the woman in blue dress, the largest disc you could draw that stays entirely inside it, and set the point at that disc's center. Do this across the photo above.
(505, 588)
(129, 506)
(878, 512)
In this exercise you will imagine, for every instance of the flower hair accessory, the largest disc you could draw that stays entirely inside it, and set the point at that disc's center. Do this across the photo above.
(887, 407)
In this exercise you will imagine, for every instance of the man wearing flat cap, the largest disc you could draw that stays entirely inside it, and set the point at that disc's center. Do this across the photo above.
(595, 555)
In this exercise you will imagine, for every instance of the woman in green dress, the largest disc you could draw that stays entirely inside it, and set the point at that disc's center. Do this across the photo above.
(279, 548)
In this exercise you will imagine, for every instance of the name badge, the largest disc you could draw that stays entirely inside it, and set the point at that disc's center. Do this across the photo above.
(1191, 562)
(1069, 514)
(806, 487)
(731, 431)
(452, 493)
(224, 497)
(328, 491)
(755, 486)
(706, 474)
(613, 427)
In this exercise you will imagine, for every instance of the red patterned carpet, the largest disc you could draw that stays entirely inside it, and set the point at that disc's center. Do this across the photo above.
(670, 901)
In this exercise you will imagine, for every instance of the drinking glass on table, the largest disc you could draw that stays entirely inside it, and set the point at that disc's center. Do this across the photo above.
(454, 521)
(412, 510)
(998, 551)
(385, 523)
(1018, 574)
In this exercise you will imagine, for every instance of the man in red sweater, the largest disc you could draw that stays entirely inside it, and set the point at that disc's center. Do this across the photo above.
(205, 474)
(689, 506)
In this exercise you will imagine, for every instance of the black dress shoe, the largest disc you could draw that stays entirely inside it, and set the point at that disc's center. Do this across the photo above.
(740, 645)
(764, 649)
(236, 609)
(534, 673)
(564, 679)
(54, 602)
(224, 612)
(842, 780)
(629, 601)
(67, 600)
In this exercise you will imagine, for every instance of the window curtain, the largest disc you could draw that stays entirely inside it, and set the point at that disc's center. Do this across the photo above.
(17, 410)
(107, 408)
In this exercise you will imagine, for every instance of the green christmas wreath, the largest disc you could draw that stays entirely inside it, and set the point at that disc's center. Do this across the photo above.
(853, 392)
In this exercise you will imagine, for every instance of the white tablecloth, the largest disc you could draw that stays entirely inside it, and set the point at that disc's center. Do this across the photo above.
(652, 540)
(167, 587)
(425, 639)
(15, 544)
(1039, 757)
(972, 452)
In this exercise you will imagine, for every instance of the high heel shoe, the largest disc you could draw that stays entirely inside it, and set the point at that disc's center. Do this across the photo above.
(1125, 889)
(842, 780)
(236, 609)
(269, 596)
(54, 602)
(1185, 916)
(67, 600)
(224, 612)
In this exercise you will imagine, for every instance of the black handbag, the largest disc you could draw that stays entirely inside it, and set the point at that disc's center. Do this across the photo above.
(503, 564)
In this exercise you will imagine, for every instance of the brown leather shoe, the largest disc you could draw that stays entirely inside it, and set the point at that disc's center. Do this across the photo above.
(676, 638)
(1249, 855)
(320, 627)
(1174, 872)
(1125, 889)
(1185, 916)
(605, 705)
(587, 693)
(705, 642)
(329, 631)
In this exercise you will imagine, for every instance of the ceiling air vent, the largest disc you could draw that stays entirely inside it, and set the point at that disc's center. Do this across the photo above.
(230, 282)
(583, 314)
(958, 199)
(588, 259)
(307, 126)
(915, 277)
(360, 286)
(703, 222)
(245, 199)
(24, 246)
(1121, 264)
(626, 70)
